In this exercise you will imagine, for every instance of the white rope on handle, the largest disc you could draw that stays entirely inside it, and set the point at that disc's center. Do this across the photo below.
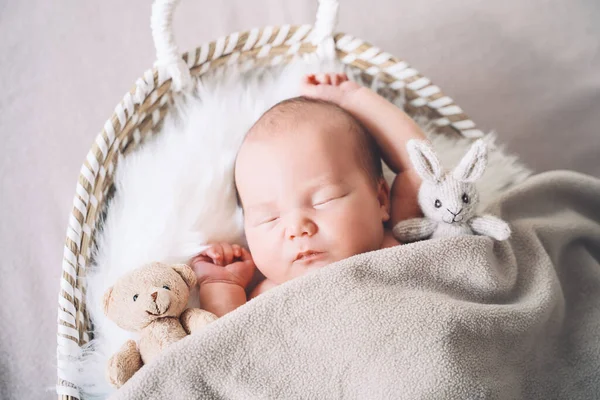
(167, 53)
(326, 21)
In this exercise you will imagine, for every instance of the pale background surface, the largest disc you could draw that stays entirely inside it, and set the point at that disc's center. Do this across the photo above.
(529, 70)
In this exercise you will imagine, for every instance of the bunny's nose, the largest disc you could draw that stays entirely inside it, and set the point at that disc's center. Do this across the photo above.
(454, 216)
(154, 295)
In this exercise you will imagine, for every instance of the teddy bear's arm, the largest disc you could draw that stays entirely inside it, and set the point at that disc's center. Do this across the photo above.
(123, 364)
(194, 319)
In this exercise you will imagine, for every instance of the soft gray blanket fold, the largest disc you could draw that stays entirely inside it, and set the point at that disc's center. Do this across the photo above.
(456, 318)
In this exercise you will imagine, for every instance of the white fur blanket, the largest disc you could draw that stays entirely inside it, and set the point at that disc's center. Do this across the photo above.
(176, 193)
(457, 318)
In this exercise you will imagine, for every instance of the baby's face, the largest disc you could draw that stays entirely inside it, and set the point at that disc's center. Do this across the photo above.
(307, 200)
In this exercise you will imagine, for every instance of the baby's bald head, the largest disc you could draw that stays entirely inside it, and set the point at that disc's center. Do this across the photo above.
(284, 116)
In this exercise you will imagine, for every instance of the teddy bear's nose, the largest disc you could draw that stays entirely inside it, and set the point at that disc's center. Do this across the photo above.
(154, 295)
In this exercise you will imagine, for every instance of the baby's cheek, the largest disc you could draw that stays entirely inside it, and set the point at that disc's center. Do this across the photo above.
(357, 232)
(264, 255)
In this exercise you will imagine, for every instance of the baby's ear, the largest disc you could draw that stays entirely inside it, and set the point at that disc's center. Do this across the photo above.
(186, 273)
(383, 195)
(106, 300)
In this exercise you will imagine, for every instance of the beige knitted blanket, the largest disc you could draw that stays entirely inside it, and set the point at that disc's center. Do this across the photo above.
(456, 318)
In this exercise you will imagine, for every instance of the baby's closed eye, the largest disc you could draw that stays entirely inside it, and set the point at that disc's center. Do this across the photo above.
(269, 219)
(263, 219)
(323, 200)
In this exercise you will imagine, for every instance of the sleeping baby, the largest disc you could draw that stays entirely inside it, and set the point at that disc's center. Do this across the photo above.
(310, 183)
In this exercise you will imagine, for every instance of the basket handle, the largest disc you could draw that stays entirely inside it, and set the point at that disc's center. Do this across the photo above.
(167, 53)
(169, 58)
(325, 24)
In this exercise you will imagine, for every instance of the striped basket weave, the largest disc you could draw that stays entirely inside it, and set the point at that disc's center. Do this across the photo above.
(142, 109)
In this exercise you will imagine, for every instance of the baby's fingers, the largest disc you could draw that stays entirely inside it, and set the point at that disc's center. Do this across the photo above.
(310, 79)
(338, 79)
(243, 271)
(215, 253)
(200, 258)
(237, 250)
(227, 253)
(324, 79)
(245, 256)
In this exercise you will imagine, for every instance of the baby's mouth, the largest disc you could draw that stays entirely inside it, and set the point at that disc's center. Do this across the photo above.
(308, 255)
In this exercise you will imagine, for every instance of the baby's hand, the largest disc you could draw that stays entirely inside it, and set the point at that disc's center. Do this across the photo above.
(223, 262)
(332, 87)
(221, 253)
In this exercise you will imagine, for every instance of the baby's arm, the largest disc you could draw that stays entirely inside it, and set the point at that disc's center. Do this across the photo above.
(391, 127)
(224, 271)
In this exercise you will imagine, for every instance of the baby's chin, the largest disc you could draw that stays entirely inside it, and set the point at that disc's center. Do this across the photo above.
(296, 270)
(300, 268)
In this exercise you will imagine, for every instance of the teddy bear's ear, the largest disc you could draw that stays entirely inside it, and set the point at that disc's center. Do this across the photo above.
(106, 300)
(188, 275)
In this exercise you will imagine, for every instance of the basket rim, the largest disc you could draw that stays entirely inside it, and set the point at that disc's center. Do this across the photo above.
(146, 103)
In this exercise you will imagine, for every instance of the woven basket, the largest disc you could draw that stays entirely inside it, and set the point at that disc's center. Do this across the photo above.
(141, 111)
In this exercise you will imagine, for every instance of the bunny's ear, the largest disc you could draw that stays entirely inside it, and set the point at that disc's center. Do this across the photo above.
(424, 160)
(473, 164)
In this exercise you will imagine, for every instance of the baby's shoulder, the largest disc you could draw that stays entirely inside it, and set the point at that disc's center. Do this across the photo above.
(389, 240)
(262, 287)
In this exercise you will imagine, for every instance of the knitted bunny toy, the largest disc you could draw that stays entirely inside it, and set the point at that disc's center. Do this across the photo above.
(449, 200)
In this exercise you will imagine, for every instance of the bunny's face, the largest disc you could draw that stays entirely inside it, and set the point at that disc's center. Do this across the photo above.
(449, 200)
(448, 197)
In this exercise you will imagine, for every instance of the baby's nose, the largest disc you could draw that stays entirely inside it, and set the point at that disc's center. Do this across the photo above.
(301, 227)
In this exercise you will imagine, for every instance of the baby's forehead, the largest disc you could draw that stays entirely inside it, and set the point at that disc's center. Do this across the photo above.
(297, 120)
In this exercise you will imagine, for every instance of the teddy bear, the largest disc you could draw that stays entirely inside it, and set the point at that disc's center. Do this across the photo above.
(151, 301)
